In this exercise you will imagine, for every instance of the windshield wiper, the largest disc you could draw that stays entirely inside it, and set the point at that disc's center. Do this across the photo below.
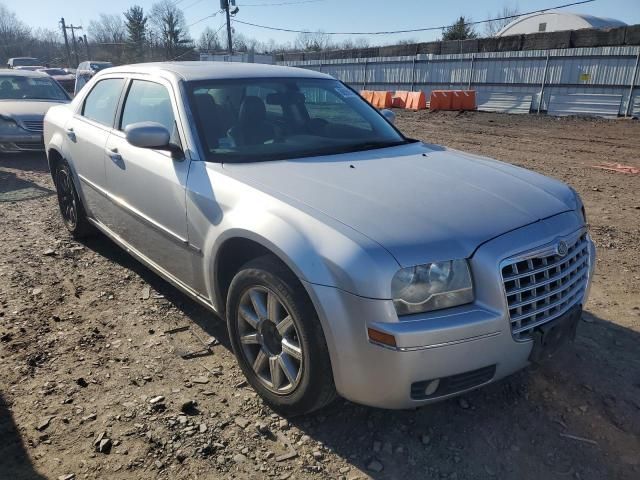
(372, 145)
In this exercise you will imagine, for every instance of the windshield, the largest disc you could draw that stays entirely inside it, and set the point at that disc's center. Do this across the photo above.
(271, 119)
(30, 88)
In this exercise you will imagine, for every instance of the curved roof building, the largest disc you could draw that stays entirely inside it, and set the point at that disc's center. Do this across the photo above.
(554, 21)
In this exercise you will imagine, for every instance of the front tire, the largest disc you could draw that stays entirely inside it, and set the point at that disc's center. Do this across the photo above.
(73, 214)
(277, 338)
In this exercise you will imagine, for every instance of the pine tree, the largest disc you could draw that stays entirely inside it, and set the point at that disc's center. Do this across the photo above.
(461, 30)
(136, 25)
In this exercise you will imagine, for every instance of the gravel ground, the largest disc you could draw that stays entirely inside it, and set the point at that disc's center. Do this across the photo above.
(93, 386)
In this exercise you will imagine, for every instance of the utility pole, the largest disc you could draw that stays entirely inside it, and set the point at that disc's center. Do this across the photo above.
(66, 40)
(73, 39)
(86, 45)
(226, 6)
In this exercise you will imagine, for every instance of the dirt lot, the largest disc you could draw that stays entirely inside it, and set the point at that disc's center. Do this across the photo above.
(85, 360)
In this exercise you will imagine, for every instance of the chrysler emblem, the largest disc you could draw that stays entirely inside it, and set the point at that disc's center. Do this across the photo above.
(562, 249)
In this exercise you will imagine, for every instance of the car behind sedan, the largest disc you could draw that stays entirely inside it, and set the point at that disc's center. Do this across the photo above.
(346, 258)
(25, 97)
(66, 79)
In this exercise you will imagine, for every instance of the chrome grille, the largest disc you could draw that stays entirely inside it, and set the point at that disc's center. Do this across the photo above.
(34, 125)
(543, 285)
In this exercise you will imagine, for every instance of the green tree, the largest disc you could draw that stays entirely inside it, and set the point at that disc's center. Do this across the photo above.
(136, 25)
(461, 30)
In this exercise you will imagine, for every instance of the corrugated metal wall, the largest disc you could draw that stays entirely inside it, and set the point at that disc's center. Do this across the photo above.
(601, 70)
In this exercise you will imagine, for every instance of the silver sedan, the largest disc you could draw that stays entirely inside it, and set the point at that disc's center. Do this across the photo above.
(25, 97)
(346, 258)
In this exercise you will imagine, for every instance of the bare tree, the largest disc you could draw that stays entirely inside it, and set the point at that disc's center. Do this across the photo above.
(48, 46)
(108, 29)
(169, 24)
(14, 34)
(209, 41)
(492, 27)
(407, 41)
(350, 43)
(313, 42)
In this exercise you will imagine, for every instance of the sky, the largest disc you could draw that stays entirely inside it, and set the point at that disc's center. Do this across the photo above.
(325, 15)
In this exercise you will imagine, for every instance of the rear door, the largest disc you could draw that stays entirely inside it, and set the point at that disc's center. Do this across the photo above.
(87, 133)
(149, 186)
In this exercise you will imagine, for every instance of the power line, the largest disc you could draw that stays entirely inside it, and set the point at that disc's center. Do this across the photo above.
(192, 4)
(301, 2)
(203, 19)
(412, 30)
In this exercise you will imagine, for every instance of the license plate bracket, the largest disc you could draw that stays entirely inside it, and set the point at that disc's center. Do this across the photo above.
(550, 336)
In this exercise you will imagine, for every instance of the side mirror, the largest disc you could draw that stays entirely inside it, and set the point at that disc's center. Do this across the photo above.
(389, 115)
(151, 135)
(147, 135)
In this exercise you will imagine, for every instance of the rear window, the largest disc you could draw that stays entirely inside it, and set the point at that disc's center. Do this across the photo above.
(21, 62)
(102, 102)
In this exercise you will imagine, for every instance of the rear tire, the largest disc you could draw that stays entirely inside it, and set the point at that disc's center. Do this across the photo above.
(73, 213)
(277, 338)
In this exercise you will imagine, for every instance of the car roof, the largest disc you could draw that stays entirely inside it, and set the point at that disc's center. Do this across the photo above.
(23, 58)
(193, 71)
(22, 73)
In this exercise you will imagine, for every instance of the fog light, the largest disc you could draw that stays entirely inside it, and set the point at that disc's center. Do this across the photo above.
(381, 337)
(431, 387)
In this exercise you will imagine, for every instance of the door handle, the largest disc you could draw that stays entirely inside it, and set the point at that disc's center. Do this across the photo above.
(114, 155)
(71, 134)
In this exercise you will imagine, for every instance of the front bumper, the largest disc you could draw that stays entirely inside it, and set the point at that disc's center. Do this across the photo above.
(464, 347)
(22, 142)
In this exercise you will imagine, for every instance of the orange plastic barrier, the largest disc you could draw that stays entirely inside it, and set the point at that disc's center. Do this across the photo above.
(416, 101)
(453, 100)
(464, 100)
(367, 95)
(399, 100)
(381, 99)
(441, 100)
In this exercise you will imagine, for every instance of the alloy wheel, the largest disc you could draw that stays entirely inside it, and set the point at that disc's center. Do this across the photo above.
(270, 340)
(67, 198)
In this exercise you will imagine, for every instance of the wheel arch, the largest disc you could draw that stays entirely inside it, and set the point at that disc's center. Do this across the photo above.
(54, 158)
(243, 246)
(237, 249)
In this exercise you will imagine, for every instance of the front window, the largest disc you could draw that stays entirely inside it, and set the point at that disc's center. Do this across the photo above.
(271, 119)
(30, 88)
(149, 102)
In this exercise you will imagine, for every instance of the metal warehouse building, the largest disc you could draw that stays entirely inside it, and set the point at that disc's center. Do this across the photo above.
(588, 71)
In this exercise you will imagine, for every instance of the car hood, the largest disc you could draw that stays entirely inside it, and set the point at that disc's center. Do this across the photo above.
(420, 202)
(27, 109)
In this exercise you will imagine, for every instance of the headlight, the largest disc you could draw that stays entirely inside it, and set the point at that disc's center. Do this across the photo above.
(432, 287)
(8, 125)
